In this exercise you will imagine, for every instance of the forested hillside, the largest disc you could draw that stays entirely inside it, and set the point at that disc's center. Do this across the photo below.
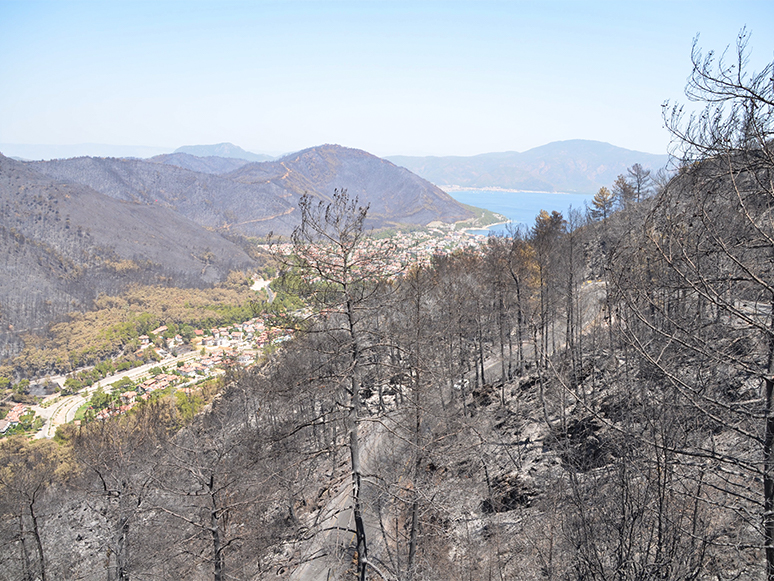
(591, 399)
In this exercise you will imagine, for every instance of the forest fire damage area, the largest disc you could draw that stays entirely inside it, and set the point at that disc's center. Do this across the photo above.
(486, 413)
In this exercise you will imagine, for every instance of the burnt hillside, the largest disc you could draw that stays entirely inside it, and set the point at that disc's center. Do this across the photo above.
(262, 197)
(65, 243)
(395, 195)
(211, 201)
(567, 403)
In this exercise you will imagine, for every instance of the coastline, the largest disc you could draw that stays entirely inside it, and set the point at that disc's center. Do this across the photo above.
(453, 188)
(487, 227)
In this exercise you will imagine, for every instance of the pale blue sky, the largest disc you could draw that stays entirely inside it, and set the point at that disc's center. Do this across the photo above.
(439, 78)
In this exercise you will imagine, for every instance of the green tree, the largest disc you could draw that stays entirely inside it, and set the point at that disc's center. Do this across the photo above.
(188, 405)
(22, 386)
(122, 384)
(99, 399)
(187, 332)
(71, 385)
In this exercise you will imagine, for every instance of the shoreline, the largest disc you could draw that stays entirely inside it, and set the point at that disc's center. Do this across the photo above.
(487, 227)
(449, 189)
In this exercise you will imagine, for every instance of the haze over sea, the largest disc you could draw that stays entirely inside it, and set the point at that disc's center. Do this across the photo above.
(520, 208)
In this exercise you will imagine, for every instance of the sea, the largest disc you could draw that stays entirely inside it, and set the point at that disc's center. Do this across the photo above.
(521, 208)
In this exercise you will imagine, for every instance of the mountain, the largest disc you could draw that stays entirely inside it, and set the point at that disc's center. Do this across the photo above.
(259, 198)
(43, 151)
(222, 150)
(394, 194)
(563, 166)
(211, 201)
(73, 229)
(644, 456)
(210, 164)
(65, 243)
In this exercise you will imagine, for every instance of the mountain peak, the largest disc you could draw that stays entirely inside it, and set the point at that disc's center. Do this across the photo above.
(227, 150)
(395, 195)
(327, 149)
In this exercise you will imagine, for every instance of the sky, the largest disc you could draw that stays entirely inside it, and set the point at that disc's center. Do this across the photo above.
(410, 78)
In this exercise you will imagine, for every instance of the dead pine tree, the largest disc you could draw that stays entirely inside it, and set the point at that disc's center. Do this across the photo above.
(698, 297)
(338, 268)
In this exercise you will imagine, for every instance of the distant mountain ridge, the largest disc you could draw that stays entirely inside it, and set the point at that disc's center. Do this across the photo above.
(30, 151)
(211, 164)
(209, 200)
(227, 150)
(394, 194)
(578, 166)
(262, 197)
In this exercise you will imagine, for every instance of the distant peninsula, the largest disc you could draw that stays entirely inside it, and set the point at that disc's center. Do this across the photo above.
(575, 166)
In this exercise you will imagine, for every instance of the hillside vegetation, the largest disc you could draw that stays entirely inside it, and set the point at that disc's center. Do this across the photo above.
(111, 329)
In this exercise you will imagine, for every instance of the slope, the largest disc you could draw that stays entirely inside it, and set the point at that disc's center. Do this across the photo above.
(395, 195)
(211, 201)
(258, 198)
(64, 244)
(210, 164)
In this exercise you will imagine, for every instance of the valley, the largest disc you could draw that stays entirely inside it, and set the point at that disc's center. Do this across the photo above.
(386, 291)
(399, 402)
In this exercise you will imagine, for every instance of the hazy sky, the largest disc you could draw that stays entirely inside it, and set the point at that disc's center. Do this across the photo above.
(438, 78)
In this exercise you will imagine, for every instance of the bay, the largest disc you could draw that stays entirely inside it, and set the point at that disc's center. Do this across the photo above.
(521, 208)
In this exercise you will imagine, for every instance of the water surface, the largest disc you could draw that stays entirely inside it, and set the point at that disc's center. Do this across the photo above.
(520, 208)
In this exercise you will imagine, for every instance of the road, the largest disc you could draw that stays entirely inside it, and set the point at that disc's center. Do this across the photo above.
(63, 409)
